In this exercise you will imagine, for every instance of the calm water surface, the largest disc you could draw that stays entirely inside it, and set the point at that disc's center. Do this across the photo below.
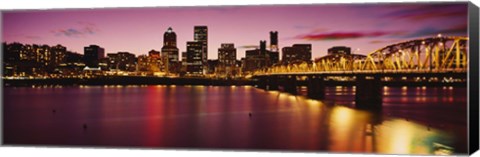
(414, 120)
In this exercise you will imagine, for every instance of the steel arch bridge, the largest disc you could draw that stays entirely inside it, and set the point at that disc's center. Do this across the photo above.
(429, 55)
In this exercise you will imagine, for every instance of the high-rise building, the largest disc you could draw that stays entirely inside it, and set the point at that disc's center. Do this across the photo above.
(44, 55)
(58, 55)
(297, 52)
(92, 55)
(170, 38)
(227, 56)
(260, 58)
(339, 50)
(200, 34)
(170, 51)
(274, 41)
(193, 58)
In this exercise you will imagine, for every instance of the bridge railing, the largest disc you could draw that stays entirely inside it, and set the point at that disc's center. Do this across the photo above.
(430, 55)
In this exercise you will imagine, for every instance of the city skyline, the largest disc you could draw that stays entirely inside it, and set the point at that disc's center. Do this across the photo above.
(363, 27)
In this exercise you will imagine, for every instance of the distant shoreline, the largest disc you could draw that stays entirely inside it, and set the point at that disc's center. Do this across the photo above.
(125, 80)
(148, 80)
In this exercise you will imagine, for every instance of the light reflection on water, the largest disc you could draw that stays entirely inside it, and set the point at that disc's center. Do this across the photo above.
(218, 117)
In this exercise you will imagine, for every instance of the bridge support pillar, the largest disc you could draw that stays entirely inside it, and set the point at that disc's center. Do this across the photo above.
(290, 85)
(368, 92)
(272, 83)
(316, 88)
(262, 83)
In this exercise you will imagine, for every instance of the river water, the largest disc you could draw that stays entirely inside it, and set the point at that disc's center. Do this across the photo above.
(414, 120)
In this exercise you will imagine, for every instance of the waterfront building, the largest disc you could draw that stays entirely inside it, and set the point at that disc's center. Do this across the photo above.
(157, 61)
(92, 55)
(339, 50)
(297, 52)
(59, 53)
(123, 61)
(170, 51)
(274, 41)
(154, 54)
(259, 58)
(212, 66)
(227, 56)
(200, 34)
(73, 65)
(193, 59)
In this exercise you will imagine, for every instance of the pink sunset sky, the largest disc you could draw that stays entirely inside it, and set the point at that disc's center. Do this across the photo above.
(363, 27)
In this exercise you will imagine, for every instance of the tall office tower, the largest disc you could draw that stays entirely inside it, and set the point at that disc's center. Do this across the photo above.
(227, 56)
(170, 51)
(170, 38)
(201, 35)
(92, 55)
(58, 54)
(194, 64)
(274, 41)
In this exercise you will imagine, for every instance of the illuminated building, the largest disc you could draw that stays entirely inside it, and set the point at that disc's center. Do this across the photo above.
(259, 58)
(212, 66)
(154, 54)
(92, 55)
(59, 53)
(297, 52)
(200, 34)
(170, 51)
(193, 58)
(339, 50)
(123, 61)
(274, 41)
(227, 57)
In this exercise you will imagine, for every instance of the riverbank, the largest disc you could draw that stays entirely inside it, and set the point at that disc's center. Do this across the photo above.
(148, 80)
(125, 80)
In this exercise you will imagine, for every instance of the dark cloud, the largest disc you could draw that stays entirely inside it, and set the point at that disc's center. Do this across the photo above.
(341, 35)
(83, 29)
(250, 46)
(460, 29)
(428, 11)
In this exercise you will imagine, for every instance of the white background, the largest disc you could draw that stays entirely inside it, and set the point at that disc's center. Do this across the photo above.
(83, 152)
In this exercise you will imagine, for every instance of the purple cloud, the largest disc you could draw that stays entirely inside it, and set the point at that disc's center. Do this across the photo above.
(460, 29)
(341, 35)
(84, 28)
(424, 12)
(249, 46)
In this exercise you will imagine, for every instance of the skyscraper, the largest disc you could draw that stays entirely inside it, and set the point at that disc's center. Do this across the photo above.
(227, 56)
(170, 51)
(170, 38)
(193, 58)
(274, 41)
(201, 35)
(58, 54)
(92, 55)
